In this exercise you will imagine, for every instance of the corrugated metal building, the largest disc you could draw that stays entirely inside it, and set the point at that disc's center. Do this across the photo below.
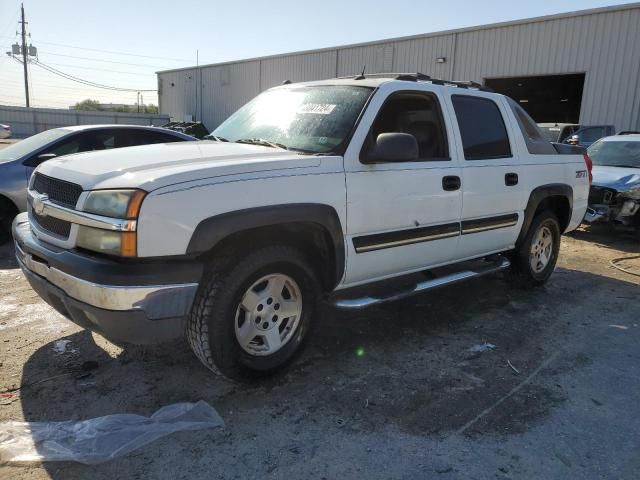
(576, 67)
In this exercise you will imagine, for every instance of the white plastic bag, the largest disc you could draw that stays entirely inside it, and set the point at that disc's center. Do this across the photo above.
(100, 439)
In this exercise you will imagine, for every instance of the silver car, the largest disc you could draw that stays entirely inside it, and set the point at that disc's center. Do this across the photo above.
(18, 160)
(615, 192)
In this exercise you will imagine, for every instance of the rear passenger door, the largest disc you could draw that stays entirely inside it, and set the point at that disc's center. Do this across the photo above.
(493, 198)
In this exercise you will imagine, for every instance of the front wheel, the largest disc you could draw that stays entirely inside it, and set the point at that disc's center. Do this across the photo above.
(252, 315)
(535, 259)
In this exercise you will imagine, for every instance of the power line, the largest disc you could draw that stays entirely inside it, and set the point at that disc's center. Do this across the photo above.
(119, 53)
(13, 19)
(100, 60)
(88, 82)
(101, 69)
(112, 51)
(88, 91)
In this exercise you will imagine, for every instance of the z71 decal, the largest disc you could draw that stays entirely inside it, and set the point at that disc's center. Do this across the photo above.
(581, 174)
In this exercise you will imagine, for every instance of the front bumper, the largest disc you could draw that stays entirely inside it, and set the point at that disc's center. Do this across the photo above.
(623, 212)
(138, 302)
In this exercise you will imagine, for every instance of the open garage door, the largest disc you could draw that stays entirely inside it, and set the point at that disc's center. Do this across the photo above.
(549, 98)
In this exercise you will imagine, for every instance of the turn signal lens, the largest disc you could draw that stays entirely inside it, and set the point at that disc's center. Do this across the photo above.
(128, 244)
(134, 204)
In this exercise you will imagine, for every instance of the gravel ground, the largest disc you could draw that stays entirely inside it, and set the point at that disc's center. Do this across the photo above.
(393, 392)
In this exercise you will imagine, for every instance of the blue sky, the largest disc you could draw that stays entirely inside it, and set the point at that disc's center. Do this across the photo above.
(72, 35)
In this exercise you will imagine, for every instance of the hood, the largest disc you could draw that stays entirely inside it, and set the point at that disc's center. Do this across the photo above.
(154, 166)
(621, 179)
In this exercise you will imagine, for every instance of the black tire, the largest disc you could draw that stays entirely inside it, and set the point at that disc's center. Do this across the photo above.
(210, 330)
(523, 272)
(7, 214)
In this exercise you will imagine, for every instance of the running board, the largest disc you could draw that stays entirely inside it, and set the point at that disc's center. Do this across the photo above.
(496, 264)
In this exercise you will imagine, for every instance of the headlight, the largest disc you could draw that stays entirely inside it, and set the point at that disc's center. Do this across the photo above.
(633, 194)
(107, 241)
(114, 203)
(122, 204)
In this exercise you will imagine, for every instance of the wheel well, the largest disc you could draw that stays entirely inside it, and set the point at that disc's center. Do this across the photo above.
(6, 205)
(6, 202)
(311, 238)
(560, 206)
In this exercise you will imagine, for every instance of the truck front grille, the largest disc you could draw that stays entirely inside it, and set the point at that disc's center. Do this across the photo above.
(601, 196)
(59, 191)
(58, 227)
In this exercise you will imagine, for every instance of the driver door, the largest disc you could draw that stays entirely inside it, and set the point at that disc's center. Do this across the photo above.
(402, 216)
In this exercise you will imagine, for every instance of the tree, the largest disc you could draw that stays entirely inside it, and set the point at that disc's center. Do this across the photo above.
(87, 104)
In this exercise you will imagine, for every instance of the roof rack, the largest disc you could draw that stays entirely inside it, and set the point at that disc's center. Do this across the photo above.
(421, 77)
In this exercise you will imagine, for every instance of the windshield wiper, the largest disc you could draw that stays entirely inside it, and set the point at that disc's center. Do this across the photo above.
(263, 142)
(215, 137)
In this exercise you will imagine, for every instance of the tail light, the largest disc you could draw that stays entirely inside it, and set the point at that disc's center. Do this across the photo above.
(589, 163)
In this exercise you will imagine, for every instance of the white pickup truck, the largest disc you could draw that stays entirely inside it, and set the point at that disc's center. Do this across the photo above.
(311, 192)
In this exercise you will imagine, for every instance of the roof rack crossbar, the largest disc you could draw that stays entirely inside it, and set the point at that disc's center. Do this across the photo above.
(421, 77)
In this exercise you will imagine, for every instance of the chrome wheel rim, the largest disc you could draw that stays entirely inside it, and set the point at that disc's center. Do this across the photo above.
(541, 251)
(268, 315)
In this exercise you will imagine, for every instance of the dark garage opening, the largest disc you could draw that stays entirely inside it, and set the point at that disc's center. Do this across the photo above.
(549, 98)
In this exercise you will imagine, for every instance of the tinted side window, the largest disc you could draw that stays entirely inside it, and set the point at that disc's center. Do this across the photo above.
(536, 143)
(132, 137)
(97, 140)
(482, 128)
(418, 114)
(592, 134)
(66, 147)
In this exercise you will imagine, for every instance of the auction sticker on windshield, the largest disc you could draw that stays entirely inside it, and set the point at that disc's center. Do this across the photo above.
(318, 108)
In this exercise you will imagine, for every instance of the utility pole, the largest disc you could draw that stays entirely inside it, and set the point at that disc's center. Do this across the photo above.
(24, 57)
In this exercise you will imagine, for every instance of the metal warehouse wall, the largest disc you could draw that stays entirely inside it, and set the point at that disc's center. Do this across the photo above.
(25, 122)
(603, 43)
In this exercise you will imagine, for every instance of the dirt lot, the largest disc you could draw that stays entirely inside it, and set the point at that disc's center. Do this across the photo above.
(389, 393)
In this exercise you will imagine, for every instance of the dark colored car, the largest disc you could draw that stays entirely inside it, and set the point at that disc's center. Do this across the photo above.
(18, 160)
(586, 136)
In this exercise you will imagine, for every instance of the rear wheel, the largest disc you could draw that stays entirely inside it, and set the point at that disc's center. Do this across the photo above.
(535, 259)
(253, 311)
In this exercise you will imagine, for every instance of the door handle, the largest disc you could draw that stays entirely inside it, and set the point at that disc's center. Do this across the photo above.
(451, 183)
(510, 179)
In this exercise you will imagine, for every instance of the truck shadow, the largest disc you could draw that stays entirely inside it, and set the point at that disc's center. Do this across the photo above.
(408, 366)
(614, 237)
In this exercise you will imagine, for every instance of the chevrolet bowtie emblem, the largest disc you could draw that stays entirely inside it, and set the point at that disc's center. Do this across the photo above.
(38, 204)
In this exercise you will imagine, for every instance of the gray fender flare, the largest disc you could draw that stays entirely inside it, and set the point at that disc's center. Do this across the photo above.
(213, 230)
(537, 196)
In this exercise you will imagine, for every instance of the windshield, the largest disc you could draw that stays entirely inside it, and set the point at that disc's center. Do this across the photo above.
(313, 119)
(616, 153)
(31, 144)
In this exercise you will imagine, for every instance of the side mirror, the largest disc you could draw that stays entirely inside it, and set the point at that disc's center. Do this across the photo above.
(46, 156)
(394, 147)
